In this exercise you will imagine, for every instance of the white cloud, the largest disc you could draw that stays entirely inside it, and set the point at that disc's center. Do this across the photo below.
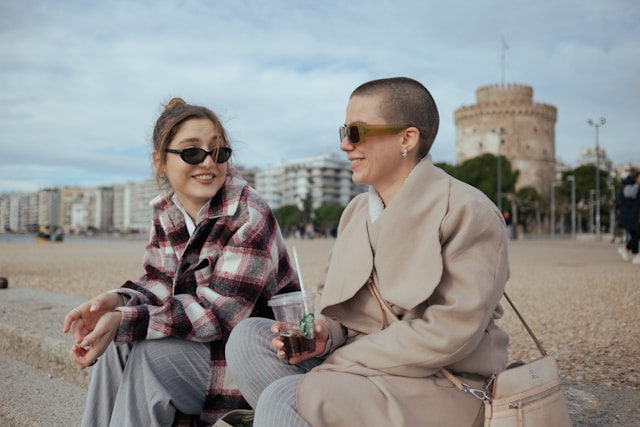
(81, 83)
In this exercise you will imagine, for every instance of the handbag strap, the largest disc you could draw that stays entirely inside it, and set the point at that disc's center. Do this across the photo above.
(480, 394)
(541, 349)
(383, 304)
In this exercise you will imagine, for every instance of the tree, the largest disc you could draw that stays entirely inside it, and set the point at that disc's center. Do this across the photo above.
(307, 207)
(482, 173)
(585, 177)
(327, 217)
(289, 217)
(528, 208)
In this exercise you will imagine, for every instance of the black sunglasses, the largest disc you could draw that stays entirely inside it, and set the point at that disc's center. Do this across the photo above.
(356, 132)
(195, 156)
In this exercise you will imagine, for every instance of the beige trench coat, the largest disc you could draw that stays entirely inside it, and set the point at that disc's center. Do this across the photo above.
(438, 254)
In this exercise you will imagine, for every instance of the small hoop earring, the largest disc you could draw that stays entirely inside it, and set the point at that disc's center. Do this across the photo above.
(404, 152)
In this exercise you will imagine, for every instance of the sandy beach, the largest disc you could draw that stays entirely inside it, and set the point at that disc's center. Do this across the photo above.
(579, 297)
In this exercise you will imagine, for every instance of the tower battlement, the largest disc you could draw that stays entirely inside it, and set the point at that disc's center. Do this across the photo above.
(510, 93)
(505, 121)
(500, 100)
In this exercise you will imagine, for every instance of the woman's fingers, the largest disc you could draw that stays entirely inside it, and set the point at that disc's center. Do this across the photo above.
(322, 335)
(72, 316)
(93, 309)
(92, 342)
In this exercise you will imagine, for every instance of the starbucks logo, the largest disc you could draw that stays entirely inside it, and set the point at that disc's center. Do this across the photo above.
(306, 326)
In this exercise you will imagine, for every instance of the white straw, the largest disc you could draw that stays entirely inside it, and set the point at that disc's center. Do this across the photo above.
(295, 257)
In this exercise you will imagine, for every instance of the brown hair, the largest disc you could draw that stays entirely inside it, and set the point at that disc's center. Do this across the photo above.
(407, 102)
(175, 113)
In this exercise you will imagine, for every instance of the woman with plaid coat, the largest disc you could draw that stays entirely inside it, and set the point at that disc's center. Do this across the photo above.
(215, 256)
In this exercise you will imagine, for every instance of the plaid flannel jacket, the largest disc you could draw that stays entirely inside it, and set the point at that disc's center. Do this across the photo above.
(199, 287)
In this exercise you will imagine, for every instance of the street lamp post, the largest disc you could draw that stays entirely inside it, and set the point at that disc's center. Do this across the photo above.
(552, 220)
(592, 192)
(499, 177)
(572, 179)
(597, 126)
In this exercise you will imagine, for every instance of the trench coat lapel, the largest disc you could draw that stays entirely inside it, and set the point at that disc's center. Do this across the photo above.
(351, 260)
(412, 220)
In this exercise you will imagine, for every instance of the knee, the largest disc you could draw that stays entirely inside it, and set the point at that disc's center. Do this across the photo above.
(246, 338)
(239, 339)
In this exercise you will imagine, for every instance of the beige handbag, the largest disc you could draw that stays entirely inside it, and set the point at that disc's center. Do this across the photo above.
(524, 395)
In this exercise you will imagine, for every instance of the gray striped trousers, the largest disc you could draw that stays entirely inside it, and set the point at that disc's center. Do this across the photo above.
(266, 382)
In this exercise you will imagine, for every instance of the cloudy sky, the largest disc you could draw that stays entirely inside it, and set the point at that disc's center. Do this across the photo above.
(82, 82)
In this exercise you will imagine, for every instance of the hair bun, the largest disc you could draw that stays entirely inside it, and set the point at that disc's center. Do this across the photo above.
(175, 102)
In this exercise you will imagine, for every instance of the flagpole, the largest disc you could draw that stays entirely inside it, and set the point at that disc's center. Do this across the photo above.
(503, 56)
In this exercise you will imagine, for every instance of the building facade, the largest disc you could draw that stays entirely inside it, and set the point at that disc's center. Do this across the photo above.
(505, 121)
(325, 178)
(591, 156)
(125, 208)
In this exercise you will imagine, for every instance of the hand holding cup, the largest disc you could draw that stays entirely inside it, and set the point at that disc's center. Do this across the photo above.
(322, 336)
(295, 322)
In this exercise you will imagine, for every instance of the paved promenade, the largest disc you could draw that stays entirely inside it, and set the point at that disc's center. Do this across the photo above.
(579, 297)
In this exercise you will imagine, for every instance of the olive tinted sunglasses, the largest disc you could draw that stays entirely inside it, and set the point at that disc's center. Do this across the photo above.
(195, 155)
(356, 132)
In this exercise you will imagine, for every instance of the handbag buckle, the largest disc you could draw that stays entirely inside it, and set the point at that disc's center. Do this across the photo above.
(485, 393)
(478, 394)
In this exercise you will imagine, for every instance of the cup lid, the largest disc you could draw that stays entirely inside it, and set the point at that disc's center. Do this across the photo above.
(288, 298)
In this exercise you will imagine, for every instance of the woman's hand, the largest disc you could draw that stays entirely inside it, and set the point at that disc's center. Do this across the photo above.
(87, 351)
(322, 336)
(89, 312)
(89, 324)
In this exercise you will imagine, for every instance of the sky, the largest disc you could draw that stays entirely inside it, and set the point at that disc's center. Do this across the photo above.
(82, 82)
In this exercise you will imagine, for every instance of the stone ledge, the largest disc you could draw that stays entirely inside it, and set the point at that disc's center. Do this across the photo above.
(31, 331)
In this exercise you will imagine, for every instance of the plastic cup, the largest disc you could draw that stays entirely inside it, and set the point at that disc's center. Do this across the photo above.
(294, 314)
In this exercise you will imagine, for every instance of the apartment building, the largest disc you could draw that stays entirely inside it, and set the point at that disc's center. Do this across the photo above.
(125, 207)
(326, 178)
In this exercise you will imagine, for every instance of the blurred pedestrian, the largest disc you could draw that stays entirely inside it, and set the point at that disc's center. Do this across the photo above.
(630, 216)
(509, 222)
